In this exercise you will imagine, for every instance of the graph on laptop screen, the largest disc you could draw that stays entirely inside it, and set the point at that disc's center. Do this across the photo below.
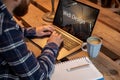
(76, 18)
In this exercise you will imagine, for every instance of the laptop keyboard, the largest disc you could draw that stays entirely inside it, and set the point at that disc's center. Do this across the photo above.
(68, 43)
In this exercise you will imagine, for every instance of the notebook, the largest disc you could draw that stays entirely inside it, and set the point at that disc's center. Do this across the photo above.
(77, 69)
(75, 21)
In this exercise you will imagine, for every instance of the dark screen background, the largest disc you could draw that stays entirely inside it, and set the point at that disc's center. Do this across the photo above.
(76, 18)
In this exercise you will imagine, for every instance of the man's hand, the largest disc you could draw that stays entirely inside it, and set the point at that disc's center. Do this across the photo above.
(55, 38)
(44, 30)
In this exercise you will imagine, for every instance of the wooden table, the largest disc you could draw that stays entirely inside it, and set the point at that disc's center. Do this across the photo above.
(109, 69)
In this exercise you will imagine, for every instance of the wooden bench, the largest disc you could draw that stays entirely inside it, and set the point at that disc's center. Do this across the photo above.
(113, 5)
(107, 28)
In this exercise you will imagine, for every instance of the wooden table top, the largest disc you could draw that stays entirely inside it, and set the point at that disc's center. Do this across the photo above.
(109, 69)
(107, 25)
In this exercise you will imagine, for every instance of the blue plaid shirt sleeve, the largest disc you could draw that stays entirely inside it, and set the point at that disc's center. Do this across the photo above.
(16, 61)
(29, 32)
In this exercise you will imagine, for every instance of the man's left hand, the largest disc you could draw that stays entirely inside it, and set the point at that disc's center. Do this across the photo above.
(44, 30)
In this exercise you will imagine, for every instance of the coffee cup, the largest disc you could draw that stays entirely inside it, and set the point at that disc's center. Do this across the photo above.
(93, 46)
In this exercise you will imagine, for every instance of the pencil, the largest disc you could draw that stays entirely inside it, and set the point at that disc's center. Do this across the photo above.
(77, 67)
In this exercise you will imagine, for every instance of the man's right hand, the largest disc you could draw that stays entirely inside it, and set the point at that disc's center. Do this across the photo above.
(55, 38)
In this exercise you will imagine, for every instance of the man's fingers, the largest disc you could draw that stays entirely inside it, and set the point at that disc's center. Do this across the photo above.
(47, 33)
(49, 28)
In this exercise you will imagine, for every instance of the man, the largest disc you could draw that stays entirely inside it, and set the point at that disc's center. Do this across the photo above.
(16, 61)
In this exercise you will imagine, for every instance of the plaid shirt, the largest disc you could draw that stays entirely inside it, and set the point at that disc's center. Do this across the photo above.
(16, 61)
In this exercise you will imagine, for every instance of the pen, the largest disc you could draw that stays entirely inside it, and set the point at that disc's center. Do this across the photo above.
(77, 67)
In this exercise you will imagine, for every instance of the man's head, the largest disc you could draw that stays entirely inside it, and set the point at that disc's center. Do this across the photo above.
(22, 8)
(17, 7)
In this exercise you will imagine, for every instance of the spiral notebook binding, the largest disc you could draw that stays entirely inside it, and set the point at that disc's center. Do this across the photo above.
(84, 58)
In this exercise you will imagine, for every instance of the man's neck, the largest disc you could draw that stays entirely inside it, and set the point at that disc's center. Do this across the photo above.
(9, 6)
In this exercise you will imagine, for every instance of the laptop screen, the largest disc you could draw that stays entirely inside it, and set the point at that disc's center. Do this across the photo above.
(76, 18)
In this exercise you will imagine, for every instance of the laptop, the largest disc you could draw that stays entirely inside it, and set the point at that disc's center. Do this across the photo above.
(75, 21)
